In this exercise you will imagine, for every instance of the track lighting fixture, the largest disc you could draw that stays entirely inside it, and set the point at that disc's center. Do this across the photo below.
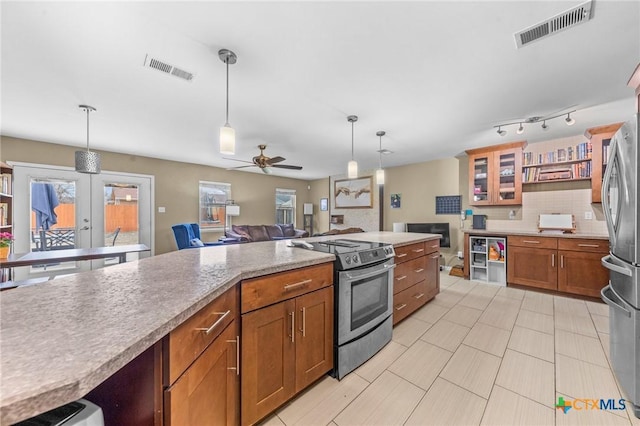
(227, 133)
(535, 119)
(352, 167)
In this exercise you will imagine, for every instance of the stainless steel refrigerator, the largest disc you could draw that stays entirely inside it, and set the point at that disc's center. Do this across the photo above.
(620, 204)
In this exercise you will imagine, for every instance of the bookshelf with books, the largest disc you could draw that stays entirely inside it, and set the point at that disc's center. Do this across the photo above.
(571, 163)
(6, 208)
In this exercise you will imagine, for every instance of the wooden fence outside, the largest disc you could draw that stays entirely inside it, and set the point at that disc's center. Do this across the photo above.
(123, 216)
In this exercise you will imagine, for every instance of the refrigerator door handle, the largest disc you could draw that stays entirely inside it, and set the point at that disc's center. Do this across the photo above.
(610, 297)
(606, 262)
(605, 188)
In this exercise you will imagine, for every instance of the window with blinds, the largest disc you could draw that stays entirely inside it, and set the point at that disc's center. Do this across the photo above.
(286, 206)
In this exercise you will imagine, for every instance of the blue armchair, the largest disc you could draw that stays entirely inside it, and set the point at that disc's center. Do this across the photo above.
(188, 236)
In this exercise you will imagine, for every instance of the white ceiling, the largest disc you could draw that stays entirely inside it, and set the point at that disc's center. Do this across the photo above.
(436, 76)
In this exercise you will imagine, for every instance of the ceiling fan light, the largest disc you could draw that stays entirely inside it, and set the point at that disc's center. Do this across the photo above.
(227, 140)
(520, 129)
(570, 121)
(352, 169)
(380, 176)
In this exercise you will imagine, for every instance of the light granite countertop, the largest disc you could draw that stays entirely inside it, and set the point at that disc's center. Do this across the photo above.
(61, 338)
(535, 233)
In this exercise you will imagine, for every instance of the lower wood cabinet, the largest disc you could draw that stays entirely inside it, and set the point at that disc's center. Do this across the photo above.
(207, 392)
(416, 277)
(570, 265)
(202, 370)
(286, 346)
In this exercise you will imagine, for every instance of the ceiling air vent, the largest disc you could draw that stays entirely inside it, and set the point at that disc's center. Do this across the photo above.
(166, 68)
(562, 21)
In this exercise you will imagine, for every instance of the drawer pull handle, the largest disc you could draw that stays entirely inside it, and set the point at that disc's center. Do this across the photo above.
(531, 241)
(401, 254)
(418, 296)
(435, 256)
(208, 331)
(401, 278)
(417, 250)
(237, 367)
(417, 271)
(293, 325)
(290, 287)
(435, 246)
(589, 245)
(304, 321)
(401, 307)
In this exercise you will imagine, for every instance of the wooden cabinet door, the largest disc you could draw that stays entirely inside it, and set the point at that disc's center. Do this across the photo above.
(480, 184)
(207, 392)
(533, 267)
(582, 273)
(432, 276)
(314, 336)
(268, 360)
(506, 177)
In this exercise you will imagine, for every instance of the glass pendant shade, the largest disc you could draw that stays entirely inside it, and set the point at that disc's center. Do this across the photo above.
(352, 169)
(380, 176)
(227, 140)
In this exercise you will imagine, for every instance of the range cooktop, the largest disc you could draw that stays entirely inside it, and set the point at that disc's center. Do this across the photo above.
(353, 254)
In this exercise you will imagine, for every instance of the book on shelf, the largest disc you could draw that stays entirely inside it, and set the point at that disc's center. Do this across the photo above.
(4, 214)
(581, 151)
(5, 187)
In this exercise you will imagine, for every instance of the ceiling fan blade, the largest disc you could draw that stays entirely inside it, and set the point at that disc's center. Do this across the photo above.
(241, 167)
(235, 159)
(275, 160)
(286, 166)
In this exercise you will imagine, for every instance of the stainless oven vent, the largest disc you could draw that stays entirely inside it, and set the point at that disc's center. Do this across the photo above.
(166, 68)
(565, 20)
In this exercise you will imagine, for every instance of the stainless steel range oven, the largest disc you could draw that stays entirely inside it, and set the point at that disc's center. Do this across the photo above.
(363, 300)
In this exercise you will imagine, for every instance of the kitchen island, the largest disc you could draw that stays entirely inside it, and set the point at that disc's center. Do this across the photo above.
(61, 339)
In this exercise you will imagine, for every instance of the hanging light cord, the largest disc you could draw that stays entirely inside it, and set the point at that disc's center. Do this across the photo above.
(87, 109)
(352, 141)
(380, 152)
(227, 62)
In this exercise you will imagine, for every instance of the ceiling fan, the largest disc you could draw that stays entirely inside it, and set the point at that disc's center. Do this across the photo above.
(265, 162)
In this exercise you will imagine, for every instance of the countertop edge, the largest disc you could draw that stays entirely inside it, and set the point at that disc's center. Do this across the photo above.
(535, 234)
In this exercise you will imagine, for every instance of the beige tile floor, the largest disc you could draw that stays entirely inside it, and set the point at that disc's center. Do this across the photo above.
(477, 354)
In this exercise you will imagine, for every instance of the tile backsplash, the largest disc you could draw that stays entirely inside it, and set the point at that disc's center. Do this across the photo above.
(575, 202)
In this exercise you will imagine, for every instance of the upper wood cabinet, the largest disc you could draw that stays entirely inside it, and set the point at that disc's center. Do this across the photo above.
(600, 138)
(495, 175)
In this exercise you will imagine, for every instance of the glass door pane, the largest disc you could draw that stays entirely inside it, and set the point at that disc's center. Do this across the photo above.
(481, 179)
(121, 218)
(507, 178)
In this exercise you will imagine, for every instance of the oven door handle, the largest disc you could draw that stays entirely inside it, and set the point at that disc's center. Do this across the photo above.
(386, 268)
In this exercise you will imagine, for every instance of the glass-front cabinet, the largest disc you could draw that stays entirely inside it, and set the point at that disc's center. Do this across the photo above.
(495, 175)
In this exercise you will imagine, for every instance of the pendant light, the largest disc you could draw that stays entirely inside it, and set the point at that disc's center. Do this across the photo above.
(380, 171)
(227, 134)
(87, 161)
(352, 167)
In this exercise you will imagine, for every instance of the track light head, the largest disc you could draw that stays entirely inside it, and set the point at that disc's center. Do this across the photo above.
(520, 129)
(501, 132)
(570, 121)
(544, 125)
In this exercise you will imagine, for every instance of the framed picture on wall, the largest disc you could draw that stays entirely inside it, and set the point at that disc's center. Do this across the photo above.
(324, 204)
(396, 201)
(353, 193)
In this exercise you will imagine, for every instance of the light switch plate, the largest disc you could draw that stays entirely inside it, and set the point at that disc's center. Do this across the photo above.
(588, 215)
(161, 209)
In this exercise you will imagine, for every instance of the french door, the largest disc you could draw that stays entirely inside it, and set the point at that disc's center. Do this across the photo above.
(57, 208)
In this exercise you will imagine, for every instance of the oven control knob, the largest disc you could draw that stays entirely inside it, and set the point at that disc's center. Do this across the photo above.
(348, 260)
(355, 258)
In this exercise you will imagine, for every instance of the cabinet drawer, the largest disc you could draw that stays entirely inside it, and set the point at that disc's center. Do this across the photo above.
(192, 337)
(408, 301)
(409, 273)
(405, 253)
(533, 242)
(263, 291)
(432, 246)
(583, 244)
